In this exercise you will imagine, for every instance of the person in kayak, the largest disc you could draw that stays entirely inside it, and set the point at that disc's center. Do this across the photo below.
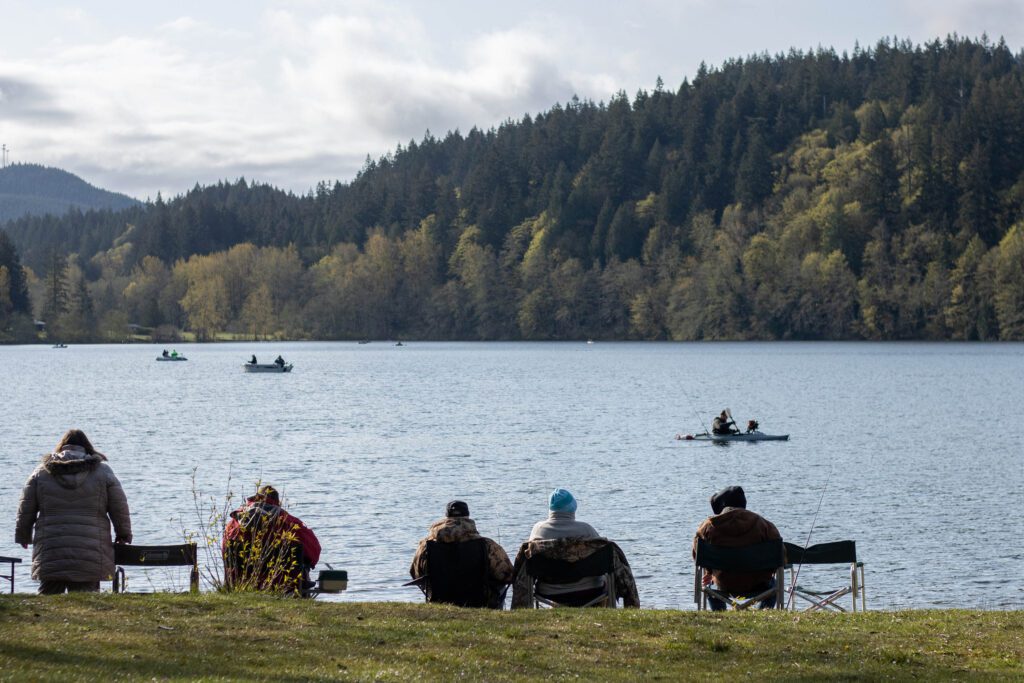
(165, 354)
(723, 425)
(733, 526)
(252, 361)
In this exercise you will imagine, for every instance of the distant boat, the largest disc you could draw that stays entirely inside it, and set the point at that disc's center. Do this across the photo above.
(590, 341)
(364, 341)
(267, 367)
(399, 344)
(60, 346)
(171, 358)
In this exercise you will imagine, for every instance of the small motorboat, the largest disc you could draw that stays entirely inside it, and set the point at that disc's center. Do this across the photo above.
(267, 367)
(60, 346)
(725, 438)
(171, 358)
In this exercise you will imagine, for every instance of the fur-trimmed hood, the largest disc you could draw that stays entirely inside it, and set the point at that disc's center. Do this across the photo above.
(71, 466)
(453, 530)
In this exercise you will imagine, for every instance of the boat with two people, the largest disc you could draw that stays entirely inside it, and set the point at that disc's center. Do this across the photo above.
(279, 365)
(724, 430)
(172, 356)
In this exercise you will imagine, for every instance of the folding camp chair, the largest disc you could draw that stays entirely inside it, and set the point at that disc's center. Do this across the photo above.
(767, 555)
(457, 574)
(837, 552)
(600, 563)
(183, 555)
(10, 577)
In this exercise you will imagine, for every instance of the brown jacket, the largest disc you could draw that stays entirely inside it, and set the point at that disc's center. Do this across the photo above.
(70, 500)
(736, 528)
(456, 530)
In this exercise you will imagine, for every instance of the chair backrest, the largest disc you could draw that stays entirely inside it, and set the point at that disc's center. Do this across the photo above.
(10, 577)
(548, 570)
(836, 552)
(180, 555)
(155, 555)
(457, 573)
(759, 556)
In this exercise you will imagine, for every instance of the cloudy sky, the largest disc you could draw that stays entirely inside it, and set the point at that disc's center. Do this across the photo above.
(140, 99)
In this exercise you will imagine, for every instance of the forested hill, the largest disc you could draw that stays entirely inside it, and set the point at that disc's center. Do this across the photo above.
(811, 195)
(36, 190)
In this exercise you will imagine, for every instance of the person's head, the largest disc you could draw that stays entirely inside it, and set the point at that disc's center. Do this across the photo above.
(267, 494)
(723, 415)
(456, 508)
(729, 497)
(76, 437)
(561, 501)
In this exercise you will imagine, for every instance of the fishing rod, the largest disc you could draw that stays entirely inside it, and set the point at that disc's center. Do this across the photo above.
(699, 418)
(807, 543)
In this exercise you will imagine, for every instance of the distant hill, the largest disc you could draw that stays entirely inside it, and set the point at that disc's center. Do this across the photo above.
(30, 189)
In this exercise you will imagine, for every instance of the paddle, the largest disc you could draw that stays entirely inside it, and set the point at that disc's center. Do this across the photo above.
(728, 414)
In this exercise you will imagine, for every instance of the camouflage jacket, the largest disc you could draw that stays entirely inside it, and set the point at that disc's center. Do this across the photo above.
(570, 549)
(455, 530)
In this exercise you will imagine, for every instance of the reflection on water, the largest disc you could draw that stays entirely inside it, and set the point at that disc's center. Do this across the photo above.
(368, 442)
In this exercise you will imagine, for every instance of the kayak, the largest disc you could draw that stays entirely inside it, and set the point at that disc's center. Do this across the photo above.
(748, 436)
(267, 367)
(171, 358)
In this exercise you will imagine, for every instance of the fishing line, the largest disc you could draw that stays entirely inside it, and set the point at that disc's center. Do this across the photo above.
(689, 401)
(796, 576)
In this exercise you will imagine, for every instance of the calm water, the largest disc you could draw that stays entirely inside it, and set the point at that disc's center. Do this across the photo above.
(368, 442)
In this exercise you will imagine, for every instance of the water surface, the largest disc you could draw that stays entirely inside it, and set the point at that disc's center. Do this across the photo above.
(920, 445)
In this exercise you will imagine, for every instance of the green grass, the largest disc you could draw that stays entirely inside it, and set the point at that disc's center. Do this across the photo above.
(250, 637)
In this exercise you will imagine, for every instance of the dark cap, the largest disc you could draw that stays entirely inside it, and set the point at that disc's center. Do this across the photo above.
(729, 497)
(269, 494)
(457, 508)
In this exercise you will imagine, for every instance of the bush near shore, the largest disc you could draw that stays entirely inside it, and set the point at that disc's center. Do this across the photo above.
(251, 637)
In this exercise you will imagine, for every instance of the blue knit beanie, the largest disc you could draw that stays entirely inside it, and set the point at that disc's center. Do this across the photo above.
(561, 501)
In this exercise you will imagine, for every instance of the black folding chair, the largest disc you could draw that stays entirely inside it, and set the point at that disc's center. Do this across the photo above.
(182, 555)
(600, 563)
(764, 556)
(10, 577)
(836, 552)
(457, 574)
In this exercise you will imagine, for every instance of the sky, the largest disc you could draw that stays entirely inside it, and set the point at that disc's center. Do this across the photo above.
(142, 98)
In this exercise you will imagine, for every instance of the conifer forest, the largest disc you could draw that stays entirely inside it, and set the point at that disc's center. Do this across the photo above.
(810, 195)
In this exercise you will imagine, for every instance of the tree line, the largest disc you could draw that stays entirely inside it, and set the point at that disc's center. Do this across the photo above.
(810, 195)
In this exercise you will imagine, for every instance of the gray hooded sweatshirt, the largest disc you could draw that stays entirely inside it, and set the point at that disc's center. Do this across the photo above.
(564, 525)
(70, 500)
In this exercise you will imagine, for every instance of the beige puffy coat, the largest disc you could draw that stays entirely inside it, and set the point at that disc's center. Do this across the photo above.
(71, 499)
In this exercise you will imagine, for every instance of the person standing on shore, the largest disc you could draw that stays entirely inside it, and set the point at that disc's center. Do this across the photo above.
(70, 502)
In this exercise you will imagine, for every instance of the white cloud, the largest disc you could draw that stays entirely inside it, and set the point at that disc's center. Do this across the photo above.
(296, 92)
(969, 18)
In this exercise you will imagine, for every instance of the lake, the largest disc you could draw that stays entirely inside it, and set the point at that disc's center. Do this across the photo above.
(919, 443)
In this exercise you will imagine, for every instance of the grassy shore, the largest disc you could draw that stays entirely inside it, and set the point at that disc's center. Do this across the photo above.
(217, 637)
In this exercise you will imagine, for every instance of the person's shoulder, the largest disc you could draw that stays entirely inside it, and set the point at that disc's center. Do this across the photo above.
(103, 467)
(771, 529)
